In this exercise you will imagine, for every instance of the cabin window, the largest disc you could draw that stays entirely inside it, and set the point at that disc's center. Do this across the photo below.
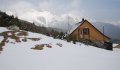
(86, 31)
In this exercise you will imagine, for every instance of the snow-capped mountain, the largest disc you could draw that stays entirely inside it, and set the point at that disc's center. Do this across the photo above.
(45, 18)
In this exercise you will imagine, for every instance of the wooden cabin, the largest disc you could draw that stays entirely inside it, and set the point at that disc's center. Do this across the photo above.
(86, 31)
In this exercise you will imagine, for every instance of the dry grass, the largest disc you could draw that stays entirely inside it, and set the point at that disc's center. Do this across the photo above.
(22, 33)
(34, 39)
(2, 43)
(17, 39)
(41, 46)
(38, 47)
(49, 46)
(14, 36)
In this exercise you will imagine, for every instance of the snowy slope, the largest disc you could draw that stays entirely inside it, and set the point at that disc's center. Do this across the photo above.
(20, 56)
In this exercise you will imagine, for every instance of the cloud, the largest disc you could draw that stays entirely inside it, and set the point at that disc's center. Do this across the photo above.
(92, 10)
(27, 11)
(59, 7)
(51, 13)
(54, 6)
(21, 6)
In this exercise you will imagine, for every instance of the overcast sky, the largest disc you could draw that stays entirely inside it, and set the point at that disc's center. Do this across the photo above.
(94, 10)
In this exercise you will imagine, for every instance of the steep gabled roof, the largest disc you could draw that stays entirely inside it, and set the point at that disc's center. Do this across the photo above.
(75, 27)
(80, 24)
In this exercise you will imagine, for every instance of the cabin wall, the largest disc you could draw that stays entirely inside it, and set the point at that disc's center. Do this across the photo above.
(94, 35)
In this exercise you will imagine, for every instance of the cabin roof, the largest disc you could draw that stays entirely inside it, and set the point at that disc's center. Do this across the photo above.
(74, 28)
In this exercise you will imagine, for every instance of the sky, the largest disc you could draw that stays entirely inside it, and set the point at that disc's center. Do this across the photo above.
(93, 10)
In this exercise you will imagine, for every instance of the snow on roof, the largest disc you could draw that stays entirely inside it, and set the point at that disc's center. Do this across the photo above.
(74, 27)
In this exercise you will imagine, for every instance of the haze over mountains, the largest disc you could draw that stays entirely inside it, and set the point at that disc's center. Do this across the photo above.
(113, 31)
(48, 19)
(45, 18)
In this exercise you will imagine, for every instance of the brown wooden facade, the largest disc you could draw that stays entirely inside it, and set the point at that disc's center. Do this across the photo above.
(87, 31)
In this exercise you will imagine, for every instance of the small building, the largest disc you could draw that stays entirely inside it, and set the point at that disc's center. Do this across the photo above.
(86, 31)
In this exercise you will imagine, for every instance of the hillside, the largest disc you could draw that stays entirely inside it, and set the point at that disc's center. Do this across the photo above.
(6, 21)
(24, 50)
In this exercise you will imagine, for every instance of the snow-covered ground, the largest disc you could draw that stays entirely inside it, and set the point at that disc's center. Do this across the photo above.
(20, 56)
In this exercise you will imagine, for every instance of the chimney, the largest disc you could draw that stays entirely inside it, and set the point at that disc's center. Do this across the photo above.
(83, 19)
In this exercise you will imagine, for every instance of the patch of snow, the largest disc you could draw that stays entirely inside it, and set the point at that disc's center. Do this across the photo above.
(11, 41)
(9, 34)
(114, 45)
(116, 50)
(2, 29)
(1, 38)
